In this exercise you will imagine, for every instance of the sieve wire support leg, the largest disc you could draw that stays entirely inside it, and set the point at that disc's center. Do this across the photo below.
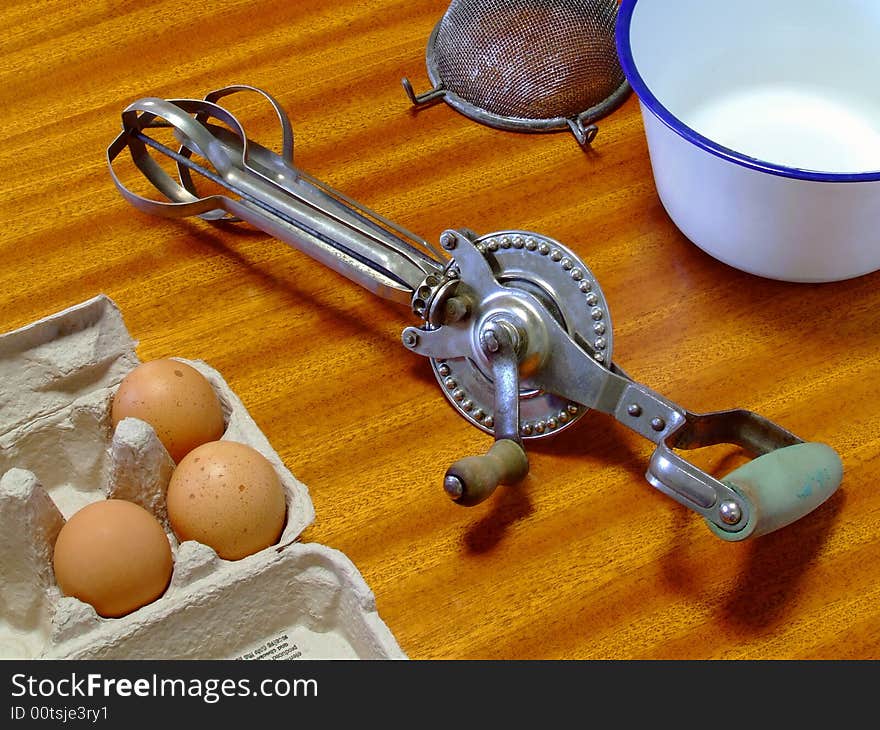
(426, 98)
(583, 133)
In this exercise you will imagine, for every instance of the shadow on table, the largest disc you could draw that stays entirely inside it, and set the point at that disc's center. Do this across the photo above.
(771, 568)
(775, 566)
(585, 440)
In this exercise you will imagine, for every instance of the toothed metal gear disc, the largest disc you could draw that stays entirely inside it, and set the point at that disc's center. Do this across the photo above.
(531, 264)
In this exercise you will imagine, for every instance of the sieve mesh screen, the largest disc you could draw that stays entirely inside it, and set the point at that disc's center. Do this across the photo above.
(529, 59)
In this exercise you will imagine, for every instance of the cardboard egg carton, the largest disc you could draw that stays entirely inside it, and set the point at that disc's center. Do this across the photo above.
(59, 452)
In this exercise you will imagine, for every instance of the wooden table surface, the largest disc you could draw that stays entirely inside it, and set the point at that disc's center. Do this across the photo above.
(584, 559)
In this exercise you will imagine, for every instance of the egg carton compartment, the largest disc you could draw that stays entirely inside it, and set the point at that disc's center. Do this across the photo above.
(298, 601)
(60, 452)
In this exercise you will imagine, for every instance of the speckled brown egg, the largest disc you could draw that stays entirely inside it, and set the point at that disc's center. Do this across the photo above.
(114, 555)
(175, 399)
(227, 495)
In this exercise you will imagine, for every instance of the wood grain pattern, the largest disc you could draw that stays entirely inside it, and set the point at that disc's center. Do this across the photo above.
(583, 560)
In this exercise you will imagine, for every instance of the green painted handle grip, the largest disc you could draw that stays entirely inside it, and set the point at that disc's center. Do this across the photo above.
(782, 486)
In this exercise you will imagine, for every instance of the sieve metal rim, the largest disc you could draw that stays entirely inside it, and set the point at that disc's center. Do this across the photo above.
(517, 124)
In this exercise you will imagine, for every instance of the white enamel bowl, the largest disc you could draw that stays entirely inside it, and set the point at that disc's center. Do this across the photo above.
(763, 127)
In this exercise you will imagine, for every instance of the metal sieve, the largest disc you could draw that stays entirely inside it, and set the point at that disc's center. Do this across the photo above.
(527, 65)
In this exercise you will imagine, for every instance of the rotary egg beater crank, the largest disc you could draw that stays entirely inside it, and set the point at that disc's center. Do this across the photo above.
(515, 326)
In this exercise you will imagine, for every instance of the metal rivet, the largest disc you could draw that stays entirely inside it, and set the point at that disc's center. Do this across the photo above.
(478, 414)
(543, 249)
(577, 274)
(448, 241)
(443, 369)
(467, 404)
(526, 429)
(410, 339)
(563, 417)
(539, 427)
(456, 309)
(531, 244)
(450, 383)
(567, 264)
(600, 356)
(592, 299)
(505, 242)
(600, 343)
(634, 409)
(597, 313)
(518, 242)
(458, 395)
(599, 328)
(552, 423)
(572, 408)
(489, 422)
(490, 341)
(585, 286)
(729, 512)
(492, 245)
(555, 255)
(658, 424)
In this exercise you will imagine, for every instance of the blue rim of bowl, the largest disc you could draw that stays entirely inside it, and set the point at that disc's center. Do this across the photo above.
(627, 62)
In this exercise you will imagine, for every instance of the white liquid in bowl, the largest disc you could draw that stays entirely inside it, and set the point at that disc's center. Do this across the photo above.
(790, 82)
(805, 128)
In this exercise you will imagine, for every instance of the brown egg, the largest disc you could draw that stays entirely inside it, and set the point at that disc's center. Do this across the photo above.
(114, 555)
(175, 399)
(227, 495)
